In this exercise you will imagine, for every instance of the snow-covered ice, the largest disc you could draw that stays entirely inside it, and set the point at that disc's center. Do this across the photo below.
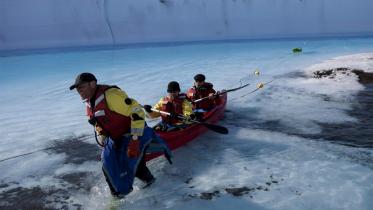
(267, 168)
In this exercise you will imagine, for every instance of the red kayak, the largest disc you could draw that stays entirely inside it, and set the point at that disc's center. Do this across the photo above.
(176, 139)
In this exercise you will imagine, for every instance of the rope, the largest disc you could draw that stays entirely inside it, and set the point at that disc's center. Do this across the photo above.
(29, 153)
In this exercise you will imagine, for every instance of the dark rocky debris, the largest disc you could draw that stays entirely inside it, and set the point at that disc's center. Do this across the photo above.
(364, 77)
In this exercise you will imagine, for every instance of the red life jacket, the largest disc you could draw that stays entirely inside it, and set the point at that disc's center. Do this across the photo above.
(195, 93)
(113, 124)
(173, 106)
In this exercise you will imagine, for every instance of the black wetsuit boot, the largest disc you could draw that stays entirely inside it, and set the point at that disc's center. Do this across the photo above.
(143, 173)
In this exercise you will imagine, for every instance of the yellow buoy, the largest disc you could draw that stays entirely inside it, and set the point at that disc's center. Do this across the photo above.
(260, 85)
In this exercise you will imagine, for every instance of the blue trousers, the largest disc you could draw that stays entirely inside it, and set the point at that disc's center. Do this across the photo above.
(119, 169)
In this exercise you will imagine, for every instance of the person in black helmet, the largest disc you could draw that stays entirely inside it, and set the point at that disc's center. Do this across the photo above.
(202, 89)
(175, 103)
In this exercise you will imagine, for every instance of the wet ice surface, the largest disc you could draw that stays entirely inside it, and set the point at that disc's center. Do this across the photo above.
(299, 143)
(51, 188)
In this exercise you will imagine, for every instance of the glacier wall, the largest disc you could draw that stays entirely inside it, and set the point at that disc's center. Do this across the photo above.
(35, 24)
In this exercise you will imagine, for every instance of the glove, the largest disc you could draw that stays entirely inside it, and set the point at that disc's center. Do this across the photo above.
(133, 149)
(193, 117)
(189, 118)
(216, 95)
(173, 115)
(148, 108)
(92, 121)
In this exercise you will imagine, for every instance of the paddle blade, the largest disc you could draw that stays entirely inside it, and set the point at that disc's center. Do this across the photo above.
(216, 128)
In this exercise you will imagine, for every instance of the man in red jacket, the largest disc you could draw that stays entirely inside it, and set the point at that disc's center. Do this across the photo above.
(202, 89)
(120, 124)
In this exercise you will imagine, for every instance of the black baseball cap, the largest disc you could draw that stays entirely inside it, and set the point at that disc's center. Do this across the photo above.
(173, 86)
(199, 78)
(83, 78)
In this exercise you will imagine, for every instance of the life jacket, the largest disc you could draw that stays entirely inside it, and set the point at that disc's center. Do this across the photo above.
(173, 106)
(113, 124)
(202, 91)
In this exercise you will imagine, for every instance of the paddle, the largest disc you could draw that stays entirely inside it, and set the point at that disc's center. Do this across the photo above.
(222, 92)
(258, 86)
(215, 128)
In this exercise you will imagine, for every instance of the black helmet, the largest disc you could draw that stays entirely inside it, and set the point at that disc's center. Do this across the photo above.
(199, 78)
(173, 86)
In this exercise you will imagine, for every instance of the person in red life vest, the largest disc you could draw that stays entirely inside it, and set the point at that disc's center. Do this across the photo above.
(175, 103)
(119, 123)
(202, 89)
